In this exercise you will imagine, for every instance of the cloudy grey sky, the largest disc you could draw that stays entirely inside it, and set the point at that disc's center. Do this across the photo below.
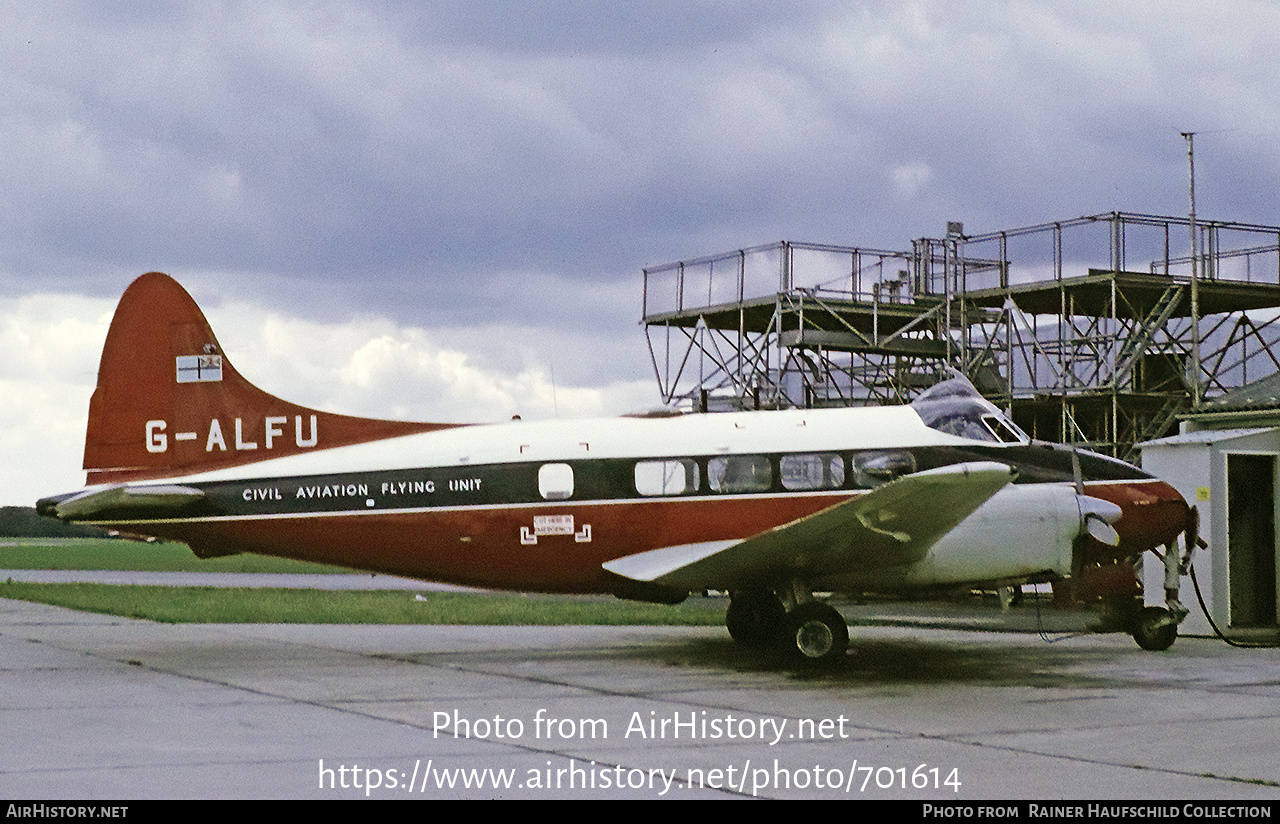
(440, 210)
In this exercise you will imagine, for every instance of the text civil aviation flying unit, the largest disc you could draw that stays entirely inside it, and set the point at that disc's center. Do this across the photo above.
(771, 506)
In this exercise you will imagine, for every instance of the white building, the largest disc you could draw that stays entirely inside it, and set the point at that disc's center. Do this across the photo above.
(1224, 462)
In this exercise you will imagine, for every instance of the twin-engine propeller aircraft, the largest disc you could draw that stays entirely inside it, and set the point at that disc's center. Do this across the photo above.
(771, 506)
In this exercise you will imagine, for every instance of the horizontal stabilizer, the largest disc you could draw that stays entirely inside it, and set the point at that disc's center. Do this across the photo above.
(892, 525)
(158, 501)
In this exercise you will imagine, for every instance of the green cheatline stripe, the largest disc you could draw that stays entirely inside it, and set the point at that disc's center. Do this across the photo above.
(308, 606)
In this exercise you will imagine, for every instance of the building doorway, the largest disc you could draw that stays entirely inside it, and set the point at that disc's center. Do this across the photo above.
(1251, 539)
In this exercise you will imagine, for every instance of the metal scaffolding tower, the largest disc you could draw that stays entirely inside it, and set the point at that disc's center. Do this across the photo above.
(1084, 329)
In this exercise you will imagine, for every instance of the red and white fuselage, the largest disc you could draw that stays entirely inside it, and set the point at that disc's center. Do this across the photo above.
(942, 491)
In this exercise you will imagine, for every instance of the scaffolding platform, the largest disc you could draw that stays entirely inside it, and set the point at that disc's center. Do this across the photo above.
(1128, 295)
(1048, 321)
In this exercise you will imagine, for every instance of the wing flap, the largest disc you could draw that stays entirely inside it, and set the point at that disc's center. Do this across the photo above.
(892, 525)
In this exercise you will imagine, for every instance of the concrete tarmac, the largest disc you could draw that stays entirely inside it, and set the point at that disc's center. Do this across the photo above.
(100, 707)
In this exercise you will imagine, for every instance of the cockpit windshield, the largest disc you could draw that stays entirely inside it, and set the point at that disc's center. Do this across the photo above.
(956, 408)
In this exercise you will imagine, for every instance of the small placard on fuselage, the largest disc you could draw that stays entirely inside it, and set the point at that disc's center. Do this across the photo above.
(553, 525)
(199, 368)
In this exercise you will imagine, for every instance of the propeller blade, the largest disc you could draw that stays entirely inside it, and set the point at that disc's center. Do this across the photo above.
(1097, 517)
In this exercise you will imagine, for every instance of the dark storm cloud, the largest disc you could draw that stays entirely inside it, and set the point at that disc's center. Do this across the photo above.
(471, 148)
(345, 144)
(588, 26)
(441, 209)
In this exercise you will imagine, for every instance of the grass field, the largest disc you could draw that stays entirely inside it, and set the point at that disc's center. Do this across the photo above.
(218, 605)
(136, 556)
(187, 604)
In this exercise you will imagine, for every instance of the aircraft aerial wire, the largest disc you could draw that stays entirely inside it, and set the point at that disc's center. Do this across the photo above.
(1044, 635)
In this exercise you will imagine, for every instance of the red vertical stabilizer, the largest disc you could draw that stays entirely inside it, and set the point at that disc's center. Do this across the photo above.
(169, 402)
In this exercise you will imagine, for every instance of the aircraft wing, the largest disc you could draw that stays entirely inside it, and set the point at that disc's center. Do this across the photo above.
(891, 525)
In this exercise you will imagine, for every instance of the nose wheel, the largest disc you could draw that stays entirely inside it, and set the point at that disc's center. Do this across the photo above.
(1155, 629)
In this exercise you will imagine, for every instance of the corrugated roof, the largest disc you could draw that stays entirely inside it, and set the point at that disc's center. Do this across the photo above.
(1204, 436)
(1261, 394)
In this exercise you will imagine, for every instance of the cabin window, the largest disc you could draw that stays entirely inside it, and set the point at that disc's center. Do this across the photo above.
(818, 470)
(740, 473)
(871, 469)
(673, 477)
(555, 481)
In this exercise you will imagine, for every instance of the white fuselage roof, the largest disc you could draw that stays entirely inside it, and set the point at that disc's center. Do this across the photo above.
(794, 430)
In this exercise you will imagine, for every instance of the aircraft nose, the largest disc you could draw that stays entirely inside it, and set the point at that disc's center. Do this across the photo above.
(1153, 513)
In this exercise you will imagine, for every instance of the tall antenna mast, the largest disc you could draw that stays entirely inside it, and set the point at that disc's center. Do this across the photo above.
(1195, 272)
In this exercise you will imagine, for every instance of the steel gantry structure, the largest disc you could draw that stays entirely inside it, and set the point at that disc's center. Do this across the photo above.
(1086, 330)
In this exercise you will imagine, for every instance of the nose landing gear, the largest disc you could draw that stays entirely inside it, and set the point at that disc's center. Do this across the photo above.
(1155, 628)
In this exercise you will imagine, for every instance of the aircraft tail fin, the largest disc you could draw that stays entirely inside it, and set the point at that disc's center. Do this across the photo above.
(168, 401)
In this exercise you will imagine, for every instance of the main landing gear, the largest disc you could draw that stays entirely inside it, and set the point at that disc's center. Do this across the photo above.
(809, 631)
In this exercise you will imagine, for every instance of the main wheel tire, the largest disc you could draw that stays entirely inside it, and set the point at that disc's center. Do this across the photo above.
(818, 632)
(755, 618)
(1154, 630)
